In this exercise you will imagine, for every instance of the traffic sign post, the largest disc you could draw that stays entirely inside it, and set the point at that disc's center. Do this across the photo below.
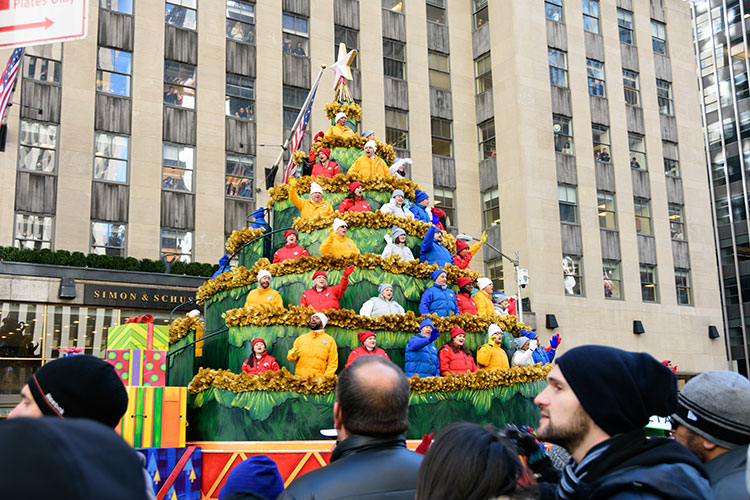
(35, 22)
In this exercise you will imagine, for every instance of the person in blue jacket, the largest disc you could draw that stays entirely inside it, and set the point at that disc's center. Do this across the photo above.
(421, 357)
(541, 354)
(420, 208)
(432, 250)
(223, 266)
(439, 299)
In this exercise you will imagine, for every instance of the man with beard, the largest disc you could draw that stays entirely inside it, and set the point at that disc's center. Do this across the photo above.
(595, 405)
(315, 351)
(264, 294)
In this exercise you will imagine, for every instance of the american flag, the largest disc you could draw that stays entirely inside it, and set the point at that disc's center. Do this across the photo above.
(291, 167)
(9, 78)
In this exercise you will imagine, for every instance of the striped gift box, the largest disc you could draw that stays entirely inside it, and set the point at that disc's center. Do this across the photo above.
(155, 418)
(136, 336)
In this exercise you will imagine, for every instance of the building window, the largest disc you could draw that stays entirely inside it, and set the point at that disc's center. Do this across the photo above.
(394, 59)
(397, 128)
(124, 6)
(240, 174)
(649, 288)
(632, 87)
(240, 23)
(676, 221)
(558, 67)
(295, 31)
(590, 15)
(595, 72)
(481, 13)
(659, 37)
(33, 231)
(42, 69)
(177, 168)
(493, 269)
(442, 137)
(602, 146)
(108, 238)
(393, 5)
(37, 143)
(240, 97)
(612, 278)
(348, 37)
(111, 157)
(181, 13)
(483, 70)
(176, 245)
(445, 200)
(605, 204)
(294, 99)
(436, 11)
(625, 24)
(637, 151)
(553, 10)
(568, 202)
(113, 70)
(572, 275)
(671, 158)
(563, 132)
(179, 84)
(642, 216)
(682, 286)
(722, 212)
(486, 132)
(439, 70)
(490, 208)
(664, 96)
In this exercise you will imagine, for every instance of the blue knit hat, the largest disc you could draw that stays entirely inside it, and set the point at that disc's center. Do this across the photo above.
(258, 474)
(426, 322)
(437, 272)
(420, 196)
(529, 334)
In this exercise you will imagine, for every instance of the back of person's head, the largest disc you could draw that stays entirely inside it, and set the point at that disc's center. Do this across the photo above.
(469, 462)
(258, 475)
(373, 397)
(74, 459)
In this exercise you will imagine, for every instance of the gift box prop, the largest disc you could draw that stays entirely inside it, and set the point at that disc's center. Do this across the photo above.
(139, 367)
(138, 332)
(155, 417)
(176, 472)
(70, 351)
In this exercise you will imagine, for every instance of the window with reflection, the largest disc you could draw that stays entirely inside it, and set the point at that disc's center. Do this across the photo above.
(602, 148)
(480, 13)
(553, 10)
(595, 74)
(683, 287)
(394, 59)
(439, 65)
(240, 22)
(113, 71)
(350, 38)
(42, 69)
(111, 157)
(605, 204)
(676, 221)
(176, 245)
(108, 238)
(181, 13)
(32, 231)
(590, 15)
(483, 72)
(21, 334)
(664, 97)
(637, 151)
(558, 67)
(445, 200)
(442, 137)
(36, 146)
(177, 168)
(568, 203)
(612, 279)
(572, 275)
(240, 97)
(397, 128)
(179, 84)
(494, 271)
(625, 25)
(659, 37)
(490, 208)
(631, 85)
(649, 288)
(239, 178)
(671, 158)
(123, 6)
(294, 98)
(295, 33)
(562, 127)
(642, 208)
(486, 133)
(436, 11)
(70, 326)
(393, 5)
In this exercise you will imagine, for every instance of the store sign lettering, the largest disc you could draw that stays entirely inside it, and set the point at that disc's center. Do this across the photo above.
(132, 297)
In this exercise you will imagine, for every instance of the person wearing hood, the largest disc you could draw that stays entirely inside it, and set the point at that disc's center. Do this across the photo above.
(325, 167)
(339, 129)
(259, 360)
(368, 348)
(315, 351)
(491, 356)
(313, 206)
(500, 303)
(483, 297)
(421, 356)
(291, 250)
(397, 205)
(466, 304)
(369, 165)
(455, 357)
(464, 252)
(264, 294)
(321, 296)
(396, 245)
(524, 356)
(337, 244)
(383, 304)
(432, 250)
(439, 299)
(354, 202)
(543, 355)
(421, 209)
(399, 167)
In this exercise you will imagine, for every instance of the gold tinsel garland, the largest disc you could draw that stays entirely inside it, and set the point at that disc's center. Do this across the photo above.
(242, 276)
(353, 111)
(239, 238)
(181, 326)
(383, 149)
(339, 183)
(282, 380)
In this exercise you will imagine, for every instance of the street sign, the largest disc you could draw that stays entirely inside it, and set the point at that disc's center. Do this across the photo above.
(35, 22)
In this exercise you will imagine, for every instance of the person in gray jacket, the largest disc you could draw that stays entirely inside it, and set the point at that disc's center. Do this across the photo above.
(396, 245)
(383, 304)
(397, 205)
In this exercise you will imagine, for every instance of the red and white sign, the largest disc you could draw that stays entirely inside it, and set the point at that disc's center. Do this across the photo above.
(35, 22)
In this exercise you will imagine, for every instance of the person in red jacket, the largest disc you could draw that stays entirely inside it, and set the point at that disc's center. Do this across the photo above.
(367, 348)
(466, 304)
(455, 357)
(291, 250)
(354, 202)
(321, 296)
(325, 167)
(259, 361)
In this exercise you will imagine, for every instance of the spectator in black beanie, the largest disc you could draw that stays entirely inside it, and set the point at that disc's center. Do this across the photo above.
(597, 401)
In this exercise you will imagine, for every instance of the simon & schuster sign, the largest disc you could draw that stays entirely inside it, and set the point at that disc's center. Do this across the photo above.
(134, 296)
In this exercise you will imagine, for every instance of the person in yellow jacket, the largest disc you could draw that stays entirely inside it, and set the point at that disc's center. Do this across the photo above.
(316, 205)
(315, 351)
(339, 128)
(369, 164)
(337, 244)
(483, 297)
(264, 294)
(491, 355)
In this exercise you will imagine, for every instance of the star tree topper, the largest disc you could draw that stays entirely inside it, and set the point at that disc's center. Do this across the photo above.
(342, 69)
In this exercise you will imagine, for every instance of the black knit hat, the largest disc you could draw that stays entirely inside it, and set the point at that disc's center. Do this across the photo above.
(619, 390)
(80, 387)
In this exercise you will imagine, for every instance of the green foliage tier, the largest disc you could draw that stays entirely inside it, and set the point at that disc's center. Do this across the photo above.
(345, 157)
(181, 362)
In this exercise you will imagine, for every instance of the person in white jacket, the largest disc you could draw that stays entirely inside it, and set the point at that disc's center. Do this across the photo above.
(399, 167)
(396, 245)
(524, 356)
(383, 304)
(397, 205)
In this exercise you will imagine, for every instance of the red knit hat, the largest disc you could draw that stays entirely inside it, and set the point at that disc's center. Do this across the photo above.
(362, 336)
(455, 332)
(290, 231)
(326, 151)
(354, 185)
(462, 282)
(318, 136)
(461, 245)
(319, 273)
(255, 341)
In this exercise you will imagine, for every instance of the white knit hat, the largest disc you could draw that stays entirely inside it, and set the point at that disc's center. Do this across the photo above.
(337, 223)
(315, 188)
(483, 282)
(323, 318)
(263, 272)
(339, 116)
(371, 144)
(494, 330)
